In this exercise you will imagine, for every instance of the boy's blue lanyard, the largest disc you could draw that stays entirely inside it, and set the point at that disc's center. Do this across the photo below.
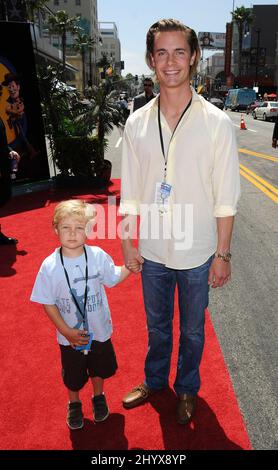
(161, 135)
(83, 314)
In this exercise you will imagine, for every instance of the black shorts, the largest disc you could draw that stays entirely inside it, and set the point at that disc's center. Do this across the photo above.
(78, 367)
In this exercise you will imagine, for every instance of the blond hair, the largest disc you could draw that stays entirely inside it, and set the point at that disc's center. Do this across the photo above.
(73, 208)
(167, 25)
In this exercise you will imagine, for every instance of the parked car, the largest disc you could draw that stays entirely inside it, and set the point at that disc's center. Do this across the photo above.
(268, 111)
(250, 108)
(217, 102)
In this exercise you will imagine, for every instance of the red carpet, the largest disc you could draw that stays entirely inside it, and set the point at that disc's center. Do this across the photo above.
(33, 398)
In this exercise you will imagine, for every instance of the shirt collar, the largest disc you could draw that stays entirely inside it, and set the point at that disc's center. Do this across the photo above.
(195, 98)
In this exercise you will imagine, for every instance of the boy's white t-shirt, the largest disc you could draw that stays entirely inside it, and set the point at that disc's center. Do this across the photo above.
(51, 288)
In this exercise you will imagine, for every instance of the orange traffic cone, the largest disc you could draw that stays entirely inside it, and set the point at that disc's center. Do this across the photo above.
(242, 123)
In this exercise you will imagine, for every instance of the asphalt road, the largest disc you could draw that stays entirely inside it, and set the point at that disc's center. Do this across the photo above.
(244, 312)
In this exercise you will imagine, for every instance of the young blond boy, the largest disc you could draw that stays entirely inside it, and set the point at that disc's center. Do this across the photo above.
(70, 287)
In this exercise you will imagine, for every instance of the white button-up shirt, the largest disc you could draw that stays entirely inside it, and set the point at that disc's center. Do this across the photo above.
(202, 169)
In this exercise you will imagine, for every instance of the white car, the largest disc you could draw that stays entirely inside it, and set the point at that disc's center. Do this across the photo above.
(267, 110)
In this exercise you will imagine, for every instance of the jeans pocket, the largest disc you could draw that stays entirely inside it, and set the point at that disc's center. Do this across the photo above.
(200, 272)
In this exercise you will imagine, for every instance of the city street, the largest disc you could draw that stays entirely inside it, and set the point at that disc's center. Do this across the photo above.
(244, 313)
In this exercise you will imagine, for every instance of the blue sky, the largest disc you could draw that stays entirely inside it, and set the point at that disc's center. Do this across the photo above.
(133, 19)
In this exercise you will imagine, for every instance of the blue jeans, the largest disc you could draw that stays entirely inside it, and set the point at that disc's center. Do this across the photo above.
(159, 284)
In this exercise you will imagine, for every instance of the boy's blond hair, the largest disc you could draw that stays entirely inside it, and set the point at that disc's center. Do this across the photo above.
(73, 208)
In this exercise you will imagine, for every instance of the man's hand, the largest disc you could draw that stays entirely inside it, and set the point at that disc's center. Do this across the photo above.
(133, 260)
(132, 257)
(135, 265)
(219, 273)
(274, 143)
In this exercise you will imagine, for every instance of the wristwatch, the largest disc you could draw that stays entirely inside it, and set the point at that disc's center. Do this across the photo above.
(225, 256)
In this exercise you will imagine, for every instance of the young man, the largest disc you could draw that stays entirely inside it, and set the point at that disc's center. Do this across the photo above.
(146, 96)
(180, 174)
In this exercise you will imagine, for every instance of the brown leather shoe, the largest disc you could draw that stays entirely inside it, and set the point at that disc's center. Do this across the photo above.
(138, 395)
(186, 408)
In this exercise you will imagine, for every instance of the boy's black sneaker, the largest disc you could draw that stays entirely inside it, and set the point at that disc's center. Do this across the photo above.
(75, 415)
(100, 408)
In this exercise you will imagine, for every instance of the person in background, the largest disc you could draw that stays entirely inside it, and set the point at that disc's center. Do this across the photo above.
(123, 104)
(180, 174)
(275, 134)
(146, 96)
(7, 155)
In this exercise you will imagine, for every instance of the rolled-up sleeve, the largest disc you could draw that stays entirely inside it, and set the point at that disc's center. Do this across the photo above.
(226, 178)
(130, 176)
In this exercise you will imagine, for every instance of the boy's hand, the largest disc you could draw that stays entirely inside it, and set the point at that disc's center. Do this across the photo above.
(77, 337)
(133, 259)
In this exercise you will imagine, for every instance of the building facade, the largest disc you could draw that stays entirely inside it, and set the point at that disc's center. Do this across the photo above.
(111, 46)
(44, 51)
(88, 12)
(210, 79)
(259, 50)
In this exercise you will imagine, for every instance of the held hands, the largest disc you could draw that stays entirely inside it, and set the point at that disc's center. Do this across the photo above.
(135, 265)
(219, 273)
(133, 260)
(77, 337)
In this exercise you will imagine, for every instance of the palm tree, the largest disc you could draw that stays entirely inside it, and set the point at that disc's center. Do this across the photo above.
(107, 114)
(61, 24)
(78, 130)
(104, 63)
(33, 6)
(241, 16)
(84, 43)
(102, 115)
